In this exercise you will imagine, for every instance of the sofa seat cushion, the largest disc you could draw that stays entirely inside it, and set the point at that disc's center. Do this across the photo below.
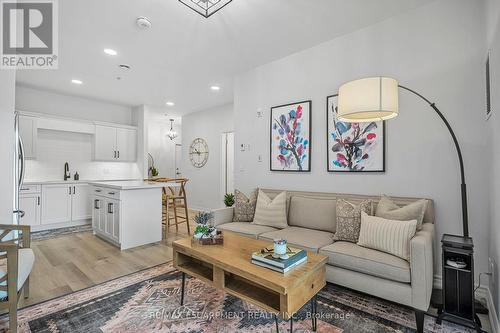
(25, 261)
(245, 228)
(359, 259)
(307, 239)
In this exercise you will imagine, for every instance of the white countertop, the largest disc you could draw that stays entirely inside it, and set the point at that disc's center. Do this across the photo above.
(72, 181)
(133, 184)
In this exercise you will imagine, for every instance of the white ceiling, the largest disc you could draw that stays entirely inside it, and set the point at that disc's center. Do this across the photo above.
(183, 54)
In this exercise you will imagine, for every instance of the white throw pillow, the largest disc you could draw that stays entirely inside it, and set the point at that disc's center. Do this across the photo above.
(271, 213)
(388, 236)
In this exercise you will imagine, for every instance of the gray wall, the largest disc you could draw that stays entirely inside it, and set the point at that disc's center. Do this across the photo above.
(438, 50)
(493, 34)
(204, 185)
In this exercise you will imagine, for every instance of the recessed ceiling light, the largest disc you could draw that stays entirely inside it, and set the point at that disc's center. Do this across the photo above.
(110, 52)
(75, 81)
(124, 66)
(215, 88)
(170, 103)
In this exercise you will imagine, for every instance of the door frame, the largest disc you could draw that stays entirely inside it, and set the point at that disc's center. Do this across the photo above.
(223, 163)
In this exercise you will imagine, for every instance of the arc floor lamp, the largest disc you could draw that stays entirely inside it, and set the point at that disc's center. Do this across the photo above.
(375, 99)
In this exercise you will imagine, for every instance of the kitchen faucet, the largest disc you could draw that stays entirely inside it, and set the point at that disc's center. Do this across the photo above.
(67, 174)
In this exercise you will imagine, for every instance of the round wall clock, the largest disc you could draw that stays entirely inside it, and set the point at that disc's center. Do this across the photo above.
(198, 152)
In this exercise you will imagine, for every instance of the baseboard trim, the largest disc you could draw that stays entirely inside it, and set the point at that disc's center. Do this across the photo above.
(495, 326)
(483, 292)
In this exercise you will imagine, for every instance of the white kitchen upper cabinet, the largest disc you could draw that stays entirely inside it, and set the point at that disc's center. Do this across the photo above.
(30, 204)
(115, 144)
(126, 144)
(105, 143)
(28, 133)
(81, 205)
(56, 203)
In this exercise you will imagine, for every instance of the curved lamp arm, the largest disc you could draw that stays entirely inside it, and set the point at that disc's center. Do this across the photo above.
(465, 218)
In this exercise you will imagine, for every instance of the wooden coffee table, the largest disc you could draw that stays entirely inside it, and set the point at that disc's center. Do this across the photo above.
(228, 267)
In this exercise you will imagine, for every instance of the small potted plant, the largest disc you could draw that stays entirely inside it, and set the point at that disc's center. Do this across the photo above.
(229, 199)
(202, 220)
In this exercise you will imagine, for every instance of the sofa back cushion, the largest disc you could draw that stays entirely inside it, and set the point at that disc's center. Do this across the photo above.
(312, 212)
(357, 198)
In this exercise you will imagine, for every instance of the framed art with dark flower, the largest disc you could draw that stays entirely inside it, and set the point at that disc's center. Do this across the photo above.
(291, 137)
(354, 147)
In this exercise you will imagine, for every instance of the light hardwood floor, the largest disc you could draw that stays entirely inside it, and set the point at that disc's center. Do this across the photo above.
(68, 263)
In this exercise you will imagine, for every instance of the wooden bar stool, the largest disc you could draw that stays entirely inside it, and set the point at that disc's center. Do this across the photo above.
(165, 203)
(176, 199)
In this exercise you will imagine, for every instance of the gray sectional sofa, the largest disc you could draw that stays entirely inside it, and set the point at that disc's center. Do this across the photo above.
(311, 226)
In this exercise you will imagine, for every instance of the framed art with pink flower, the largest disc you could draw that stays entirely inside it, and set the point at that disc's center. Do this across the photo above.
(291, 137)
(354, 147)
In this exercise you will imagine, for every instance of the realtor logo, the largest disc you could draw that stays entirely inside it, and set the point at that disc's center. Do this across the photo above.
(29, 34)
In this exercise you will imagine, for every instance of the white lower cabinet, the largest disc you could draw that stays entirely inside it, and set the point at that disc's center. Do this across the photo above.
(56, 203)
(59, 204)
(81, 207)
(106, 218)
(30, 204)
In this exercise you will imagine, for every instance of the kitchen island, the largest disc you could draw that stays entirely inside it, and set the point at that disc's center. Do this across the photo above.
(128, 213)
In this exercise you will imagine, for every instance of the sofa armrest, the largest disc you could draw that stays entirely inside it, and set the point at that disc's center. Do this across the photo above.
(422, 267)
(223, 215)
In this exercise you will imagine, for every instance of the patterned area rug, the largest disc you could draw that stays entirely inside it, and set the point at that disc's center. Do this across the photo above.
(149, 301)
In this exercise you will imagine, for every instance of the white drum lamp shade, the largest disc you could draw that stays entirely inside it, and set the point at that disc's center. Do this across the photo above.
(369, 99)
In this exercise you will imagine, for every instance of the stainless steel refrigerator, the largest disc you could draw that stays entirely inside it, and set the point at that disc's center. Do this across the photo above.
(19, 169)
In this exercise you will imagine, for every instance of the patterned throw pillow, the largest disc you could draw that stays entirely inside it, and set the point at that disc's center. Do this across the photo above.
(349, 219)
(244, 208)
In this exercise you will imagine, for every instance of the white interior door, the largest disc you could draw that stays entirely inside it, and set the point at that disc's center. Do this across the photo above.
(178, 161)
(227, 163)
(230, 162)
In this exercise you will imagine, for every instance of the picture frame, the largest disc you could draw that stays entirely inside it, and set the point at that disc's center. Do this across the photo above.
(290, 137)
(365, 154)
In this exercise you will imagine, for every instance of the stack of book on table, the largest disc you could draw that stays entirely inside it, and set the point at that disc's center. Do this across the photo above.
(266, 259)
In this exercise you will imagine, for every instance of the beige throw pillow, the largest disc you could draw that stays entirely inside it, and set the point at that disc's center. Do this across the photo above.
(244, 208)
(387, 235)
(271, 213)
(387, 209)
(349, 219)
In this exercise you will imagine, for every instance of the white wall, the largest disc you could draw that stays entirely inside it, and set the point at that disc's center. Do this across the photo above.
(35, 100)
(493, 34)
(7, 91)
(204, 183)
(55, 148)
(436, 49)
(160, 146)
